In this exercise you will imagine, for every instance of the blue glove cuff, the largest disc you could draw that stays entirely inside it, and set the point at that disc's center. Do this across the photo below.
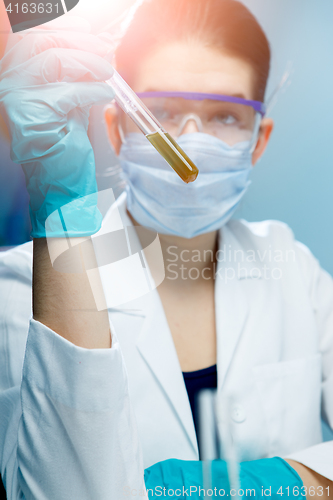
(80, 217)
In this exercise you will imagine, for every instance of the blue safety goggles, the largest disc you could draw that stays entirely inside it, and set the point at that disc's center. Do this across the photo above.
(233, 119)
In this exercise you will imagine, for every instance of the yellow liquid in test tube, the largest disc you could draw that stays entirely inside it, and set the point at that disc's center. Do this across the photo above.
(179, 166)
(152, 129)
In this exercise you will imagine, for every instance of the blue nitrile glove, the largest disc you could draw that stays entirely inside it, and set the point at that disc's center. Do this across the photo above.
(48, 82)
(268, 477)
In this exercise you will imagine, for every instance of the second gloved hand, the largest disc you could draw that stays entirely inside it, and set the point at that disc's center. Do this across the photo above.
(49, 81)
(269, 477)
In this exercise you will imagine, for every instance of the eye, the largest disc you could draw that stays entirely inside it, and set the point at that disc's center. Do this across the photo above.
(225, 119)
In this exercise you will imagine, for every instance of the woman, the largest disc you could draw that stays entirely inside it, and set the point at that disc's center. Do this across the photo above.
(243, 307)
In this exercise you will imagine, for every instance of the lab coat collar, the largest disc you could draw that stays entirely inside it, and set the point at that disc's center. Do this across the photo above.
(156, 346)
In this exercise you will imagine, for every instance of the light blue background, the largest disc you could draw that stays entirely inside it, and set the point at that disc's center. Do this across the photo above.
(294, 180)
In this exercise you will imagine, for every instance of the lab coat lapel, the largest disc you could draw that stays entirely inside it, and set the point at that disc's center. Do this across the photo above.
(231, 305)
(156, 345)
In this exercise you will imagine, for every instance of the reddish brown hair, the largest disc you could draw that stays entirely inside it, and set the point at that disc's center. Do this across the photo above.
(223, 24)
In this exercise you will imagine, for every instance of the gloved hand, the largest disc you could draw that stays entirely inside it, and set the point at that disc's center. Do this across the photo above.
(48, 82)
(184, 478)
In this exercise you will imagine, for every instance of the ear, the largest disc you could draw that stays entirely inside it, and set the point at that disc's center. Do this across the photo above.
(266, 128)
(112, 119)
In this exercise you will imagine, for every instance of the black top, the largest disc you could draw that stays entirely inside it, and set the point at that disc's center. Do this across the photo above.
(195, 382)
(2, 490)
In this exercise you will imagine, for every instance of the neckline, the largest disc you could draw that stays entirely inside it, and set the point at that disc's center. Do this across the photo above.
(199, 373)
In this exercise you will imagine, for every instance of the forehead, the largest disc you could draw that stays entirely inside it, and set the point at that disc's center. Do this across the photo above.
(193, 67)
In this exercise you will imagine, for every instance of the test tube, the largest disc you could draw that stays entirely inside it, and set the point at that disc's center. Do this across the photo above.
(152, 129)
(224, 404)
(207, 434)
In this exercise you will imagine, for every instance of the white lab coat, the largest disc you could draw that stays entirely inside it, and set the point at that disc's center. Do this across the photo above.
(274, 322)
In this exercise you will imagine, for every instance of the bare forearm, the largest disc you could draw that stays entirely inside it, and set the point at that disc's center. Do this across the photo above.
(64, 301)
(321, 487)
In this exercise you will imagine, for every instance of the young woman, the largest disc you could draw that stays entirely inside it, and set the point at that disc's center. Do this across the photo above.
(242, 308)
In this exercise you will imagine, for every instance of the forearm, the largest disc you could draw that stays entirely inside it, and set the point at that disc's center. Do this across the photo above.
(321, 487)
(64, 301)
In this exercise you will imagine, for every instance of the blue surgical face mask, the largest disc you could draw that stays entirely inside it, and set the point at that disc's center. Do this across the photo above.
(157, 198)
